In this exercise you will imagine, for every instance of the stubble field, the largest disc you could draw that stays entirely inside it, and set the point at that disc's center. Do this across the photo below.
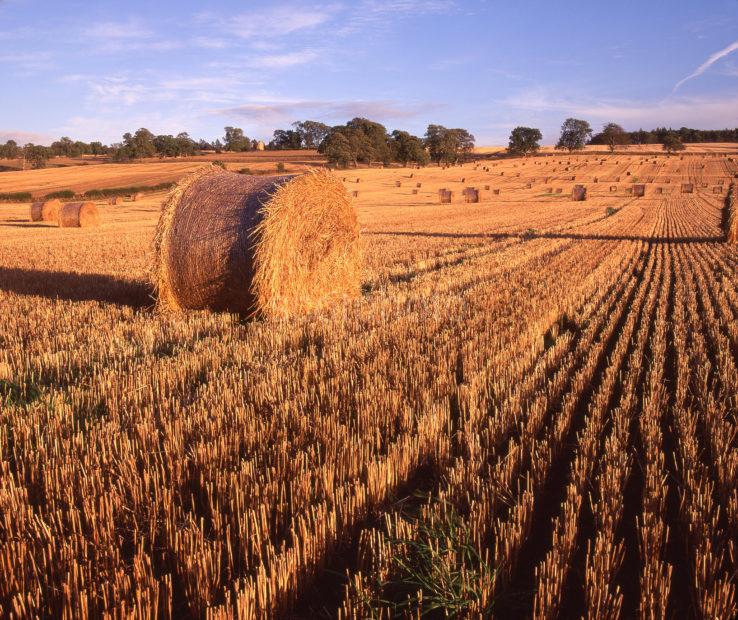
(531, 411)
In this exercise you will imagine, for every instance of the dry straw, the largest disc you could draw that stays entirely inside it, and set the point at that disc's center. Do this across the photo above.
(274, 246)
(78, 215)
(45, 211)
(732, 219)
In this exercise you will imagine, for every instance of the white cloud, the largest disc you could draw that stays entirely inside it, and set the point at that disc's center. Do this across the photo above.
(130, 29)
(24, 137)
(701, 112)
(276, 22)
(711, 60)
(282, 61)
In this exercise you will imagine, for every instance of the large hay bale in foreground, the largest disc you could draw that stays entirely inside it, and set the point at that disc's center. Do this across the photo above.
(45, 211)
(639, 189)
(78, 215)
(275, 246)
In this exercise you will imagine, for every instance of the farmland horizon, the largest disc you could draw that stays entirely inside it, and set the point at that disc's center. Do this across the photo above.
(405, 64)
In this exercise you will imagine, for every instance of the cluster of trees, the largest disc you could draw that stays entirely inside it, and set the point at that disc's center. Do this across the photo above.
(576, 133)
(364, 141)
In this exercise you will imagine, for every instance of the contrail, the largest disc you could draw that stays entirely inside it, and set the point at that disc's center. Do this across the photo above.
(708, 63)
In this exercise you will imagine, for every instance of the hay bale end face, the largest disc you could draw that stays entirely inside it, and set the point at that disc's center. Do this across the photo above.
(274, 246)
(45, 211)
(78, 215)
(687, 188)
(472, 194)
(445, 196)
(579, 193)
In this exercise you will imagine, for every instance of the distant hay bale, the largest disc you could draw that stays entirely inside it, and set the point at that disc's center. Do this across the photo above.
(445, 196)
(45, 210)
(617, 179)
(687, 188)
(596, 180)
(355, 193)
(113, 200)
(486, 187)
(418, 185)
(559, 190)
(78, 215)
(627, 174)
(137, 196)
(629, 191)
(549, 190)
(639, 190)
(704, 185)
(472, 194)
(528, 185)
(496, 192)
(659, 190)
(274, 246)
(398, 183)
(415, 191)
(579, 193)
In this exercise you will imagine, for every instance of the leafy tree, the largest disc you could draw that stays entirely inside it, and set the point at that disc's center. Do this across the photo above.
(36, 155)
(97, 148)
(671, 142)
(234, 140)
(448, 145)
(614, 135)
(337, 149)
(642, 137)
(574, 134)
(312, 133)
(204, 145)
(375, 146)
(218, 146)
(10, 150)
(286, 139)
(405, 148)
(524, 141)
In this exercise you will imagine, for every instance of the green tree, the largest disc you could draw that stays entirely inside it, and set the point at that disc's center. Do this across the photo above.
(375, 144)
(10, 150)
(405, 148)
(671, 142)
(574, 134)
(524, 141)
(312, 133)
(286, 139)
(36, 155)
(614, 135)
(337, 149)
(235, 140)
(448, 145)
(185, 145)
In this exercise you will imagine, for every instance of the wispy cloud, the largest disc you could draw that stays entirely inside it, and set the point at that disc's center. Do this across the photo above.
(282, 61)
(24, 137)
(275, 22)
(28, 61)
(327, 111)
(711, 60)
(129, 29)
(707, 112)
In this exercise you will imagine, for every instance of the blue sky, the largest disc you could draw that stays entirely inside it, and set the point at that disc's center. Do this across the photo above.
(94, 70)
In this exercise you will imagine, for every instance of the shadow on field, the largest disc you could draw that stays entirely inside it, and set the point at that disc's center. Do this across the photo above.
(76, 287)
(547, 235)
(26, 224)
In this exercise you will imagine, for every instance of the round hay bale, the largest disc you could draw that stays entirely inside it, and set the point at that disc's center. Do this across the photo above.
(78, 215)
(274, 246)
(45, 211)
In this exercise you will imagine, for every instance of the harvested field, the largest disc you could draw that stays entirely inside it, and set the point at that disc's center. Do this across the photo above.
(532, 406)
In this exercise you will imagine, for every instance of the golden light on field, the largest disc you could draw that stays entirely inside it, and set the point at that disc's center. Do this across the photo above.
(554, 381)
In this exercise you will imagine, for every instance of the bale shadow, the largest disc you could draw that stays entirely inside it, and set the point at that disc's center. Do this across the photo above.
(26, 224)
(76, 287)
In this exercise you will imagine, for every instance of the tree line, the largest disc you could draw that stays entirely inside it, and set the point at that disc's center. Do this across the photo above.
(362, 141)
